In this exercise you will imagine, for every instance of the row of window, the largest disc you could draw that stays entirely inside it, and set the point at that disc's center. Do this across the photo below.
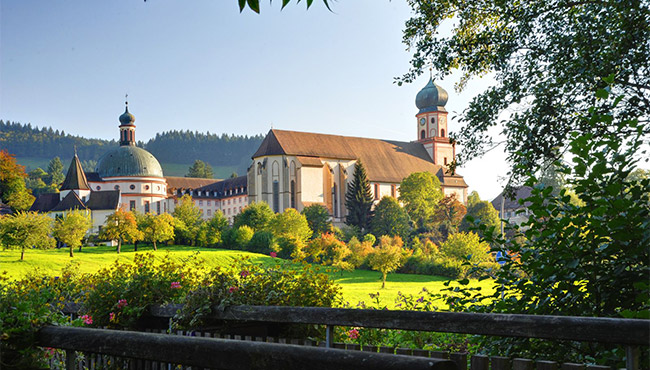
(216, 194)
(132, 187)
(223, 202)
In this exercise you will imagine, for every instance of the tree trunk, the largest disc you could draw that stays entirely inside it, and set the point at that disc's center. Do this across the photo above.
(154, 246)
(71, 252)
(119, 246)
(80, 247)
(383, 280)
(22, 254)
(135, 246)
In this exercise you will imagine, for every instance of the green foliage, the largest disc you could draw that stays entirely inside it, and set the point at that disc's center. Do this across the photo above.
(359, 199)
(466, 246)
(290, 224)
(481, 212)
(71, 228)
(243, 236)
(23, 230)
(121, 226)
(420, 192)
(211, 233)
(290, 248)
(256, 215)
(318, 219)
(588, 259)
(262, 242)
(329, 251)
(187, 220)
(200, 169)
(543, 58)
(387, 257)
(35, 182)
(390, 219)
(157, 228)
(13, 191)
(55, 174)
(254, 5)
(359, 251)
(243, 283)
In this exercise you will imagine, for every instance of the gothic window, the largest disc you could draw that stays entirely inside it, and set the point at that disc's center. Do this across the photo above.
(293, 193)
(335, 197)
(276, 197)
(259, 168)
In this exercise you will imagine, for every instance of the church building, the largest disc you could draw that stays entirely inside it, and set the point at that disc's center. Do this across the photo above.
(294, 169)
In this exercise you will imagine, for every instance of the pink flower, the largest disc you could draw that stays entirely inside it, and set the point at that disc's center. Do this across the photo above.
(232, 289)
(353, 334)
(49, 352)
(121, 303)
(244, 273)
(111, 316)
(176, 285)
(87, 319)
(273, 254)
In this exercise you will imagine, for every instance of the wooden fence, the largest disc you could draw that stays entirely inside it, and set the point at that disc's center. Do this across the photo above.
(630, 333)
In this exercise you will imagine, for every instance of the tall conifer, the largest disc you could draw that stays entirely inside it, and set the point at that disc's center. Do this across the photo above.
(358, 199)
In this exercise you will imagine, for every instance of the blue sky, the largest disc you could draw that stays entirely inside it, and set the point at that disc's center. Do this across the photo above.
(203, 65)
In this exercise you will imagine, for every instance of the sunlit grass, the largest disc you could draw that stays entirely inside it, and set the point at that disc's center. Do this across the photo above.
(356, 286)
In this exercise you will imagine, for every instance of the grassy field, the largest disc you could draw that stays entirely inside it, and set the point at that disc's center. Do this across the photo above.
(356, 285)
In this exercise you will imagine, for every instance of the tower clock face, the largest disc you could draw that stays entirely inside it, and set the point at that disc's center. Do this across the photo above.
(422, 121)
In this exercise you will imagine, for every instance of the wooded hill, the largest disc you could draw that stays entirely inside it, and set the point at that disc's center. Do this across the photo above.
(182, 147)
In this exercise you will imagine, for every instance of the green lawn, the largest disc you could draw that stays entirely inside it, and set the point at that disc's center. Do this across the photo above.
(356, 286)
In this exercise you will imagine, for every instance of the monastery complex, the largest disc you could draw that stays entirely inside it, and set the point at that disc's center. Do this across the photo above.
(290, 169)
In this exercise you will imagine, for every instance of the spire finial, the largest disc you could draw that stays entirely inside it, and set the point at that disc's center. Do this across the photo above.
(126, 98)
(431, 73)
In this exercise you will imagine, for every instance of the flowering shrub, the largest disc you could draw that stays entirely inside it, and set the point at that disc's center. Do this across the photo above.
(244, 283)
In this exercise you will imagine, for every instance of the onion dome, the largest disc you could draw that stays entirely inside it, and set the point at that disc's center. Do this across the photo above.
(127, 118)
(431, 98)
(128, 161)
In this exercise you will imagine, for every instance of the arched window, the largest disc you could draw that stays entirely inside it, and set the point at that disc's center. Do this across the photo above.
(293, 193)
(442, 132)
(335, 198)
(423, 134)
(276, 196)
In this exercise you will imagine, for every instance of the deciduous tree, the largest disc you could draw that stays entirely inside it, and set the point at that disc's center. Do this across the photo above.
(256, 215)
(12, 183)
(121, 226)
(25, 230)
(71, 228)
(449, 214)
(187, 220)
(420, 192)
(318, 219)
(290, 224)
(387, 257)
(390, 219)
(157, 228)
(548, 58)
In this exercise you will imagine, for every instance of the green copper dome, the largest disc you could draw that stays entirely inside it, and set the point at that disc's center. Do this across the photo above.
(128, 161)
(127, 118)
(431, 98)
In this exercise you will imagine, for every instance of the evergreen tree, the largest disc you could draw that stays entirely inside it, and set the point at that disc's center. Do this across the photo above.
(55, 172)
(358, 199)
(200, 169)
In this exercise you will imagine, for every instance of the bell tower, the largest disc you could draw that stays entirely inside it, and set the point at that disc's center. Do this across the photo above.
(127, 127)
(431, 119)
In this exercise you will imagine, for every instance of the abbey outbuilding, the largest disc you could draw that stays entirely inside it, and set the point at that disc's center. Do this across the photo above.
(290, 169)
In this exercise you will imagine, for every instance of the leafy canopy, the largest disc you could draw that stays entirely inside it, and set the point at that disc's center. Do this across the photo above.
(420, 192)
(318, 219)
(25, 230)
(390, 219)
(12, 183)
(547, 57)
(71, 228)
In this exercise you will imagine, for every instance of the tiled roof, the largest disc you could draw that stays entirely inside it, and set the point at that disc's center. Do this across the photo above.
(45, 202)
(385, 160)
(521, 192)
(71, 201)
(75, 178)
(104, 200)
(175, 182)
(240, 182)
(93, 176)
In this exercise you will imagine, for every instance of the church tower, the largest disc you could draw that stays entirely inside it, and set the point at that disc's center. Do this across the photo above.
(432, 124)
(127, 127)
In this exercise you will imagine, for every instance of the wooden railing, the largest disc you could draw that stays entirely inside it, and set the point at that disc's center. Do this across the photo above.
(630, 333)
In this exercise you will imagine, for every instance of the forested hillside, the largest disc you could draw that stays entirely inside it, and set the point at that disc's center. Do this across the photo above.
(182, 147)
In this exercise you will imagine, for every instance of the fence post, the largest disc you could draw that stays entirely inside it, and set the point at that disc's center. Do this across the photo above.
(70, 359)
(632, 358)
(329, 337)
